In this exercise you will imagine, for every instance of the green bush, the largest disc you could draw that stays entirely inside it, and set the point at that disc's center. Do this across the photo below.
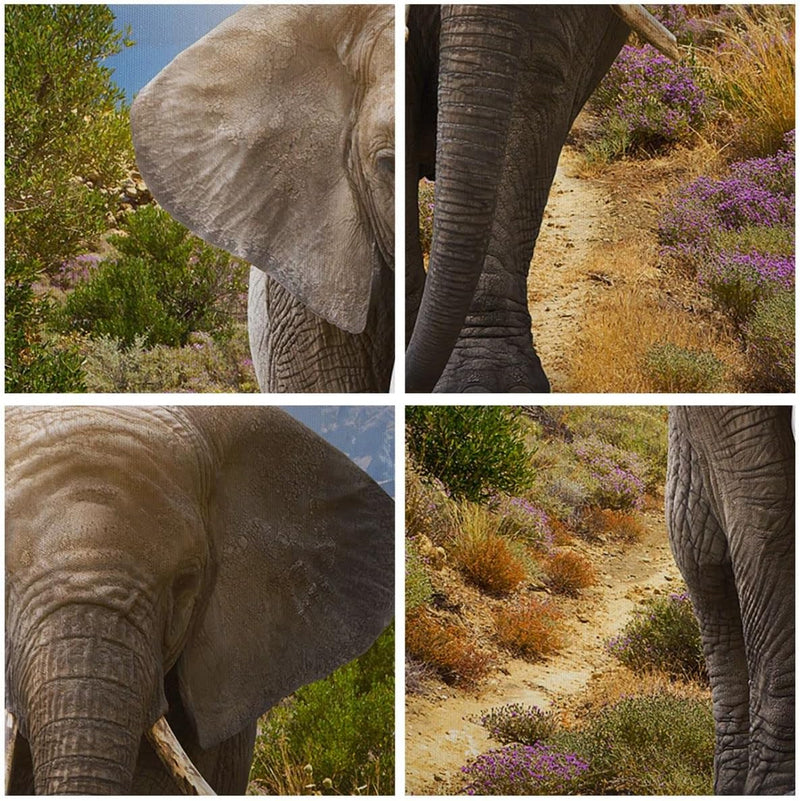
(675, 369)
(62, 125)
(121, 301)
(663, 635)
(62, 122)
(477, 452)
(165, 285)
(342, 726)
(202, 365)
(648, 745)
(770, 337)
(32, 364)
(418, 585)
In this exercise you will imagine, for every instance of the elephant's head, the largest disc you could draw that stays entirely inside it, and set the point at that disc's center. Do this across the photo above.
(491, 102)
(199, 562)
(273, 138)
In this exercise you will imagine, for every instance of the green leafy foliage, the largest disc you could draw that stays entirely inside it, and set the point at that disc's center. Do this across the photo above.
(62, 121)
(61, 124)
(165, 285)
(31, 363)
(342, 727)
(475, 451)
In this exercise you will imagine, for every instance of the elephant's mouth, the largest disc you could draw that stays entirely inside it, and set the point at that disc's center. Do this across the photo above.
(164, 743)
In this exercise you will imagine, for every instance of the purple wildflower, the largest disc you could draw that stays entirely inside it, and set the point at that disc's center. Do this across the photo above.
(519, 769)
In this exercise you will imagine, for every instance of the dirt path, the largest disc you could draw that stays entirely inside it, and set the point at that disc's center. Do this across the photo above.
(561, 281)
(439, 738)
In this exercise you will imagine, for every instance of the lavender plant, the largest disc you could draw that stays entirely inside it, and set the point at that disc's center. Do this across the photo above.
(523, 520)
(655, 744)
(756, 194)
(646, 101)
(517, 723)
(518, 769)
(736, 234)
(618, 474)
(736, 281)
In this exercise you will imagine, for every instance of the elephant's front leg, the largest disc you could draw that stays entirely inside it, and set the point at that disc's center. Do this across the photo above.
(495, 352)
(294, 350)
(701, 553)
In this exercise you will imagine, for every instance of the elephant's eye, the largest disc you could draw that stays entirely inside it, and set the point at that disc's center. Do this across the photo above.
(385, 162)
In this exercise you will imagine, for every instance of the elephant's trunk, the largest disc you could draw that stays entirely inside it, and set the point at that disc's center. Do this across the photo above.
(479, 52)
(88, 688)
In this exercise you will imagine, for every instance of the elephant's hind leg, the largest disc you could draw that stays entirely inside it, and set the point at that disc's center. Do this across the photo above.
(764, 567)
(701, 553)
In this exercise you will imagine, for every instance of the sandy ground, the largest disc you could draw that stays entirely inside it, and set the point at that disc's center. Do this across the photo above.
(440, 738)
(561, 282)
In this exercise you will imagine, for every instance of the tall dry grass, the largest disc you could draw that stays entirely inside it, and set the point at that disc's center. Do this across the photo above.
(753, 76)
(609, 355)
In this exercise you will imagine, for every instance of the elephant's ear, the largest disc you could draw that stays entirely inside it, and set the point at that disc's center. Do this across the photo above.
(303, 544)
(245, 138)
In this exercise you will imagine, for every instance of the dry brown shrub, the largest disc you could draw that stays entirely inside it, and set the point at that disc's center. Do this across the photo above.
(488, 561)
(561, 532)
(445, 647)
(568, 572)
(529, 627)
(612, 523)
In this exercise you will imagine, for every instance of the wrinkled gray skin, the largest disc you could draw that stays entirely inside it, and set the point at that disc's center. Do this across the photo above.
(491, 93)
(730, 512)
(196, 562)
(273, 137)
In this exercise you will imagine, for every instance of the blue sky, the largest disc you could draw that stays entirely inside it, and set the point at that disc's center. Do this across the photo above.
(160, 33)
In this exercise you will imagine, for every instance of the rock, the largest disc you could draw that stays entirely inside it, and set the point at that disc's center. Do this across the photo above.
(434, 555)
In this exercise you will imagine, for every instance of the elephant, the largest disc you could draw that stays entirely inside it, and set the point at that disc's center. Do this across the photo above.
(194, 564)
(491, 93)
(730, 515)
(272, 137)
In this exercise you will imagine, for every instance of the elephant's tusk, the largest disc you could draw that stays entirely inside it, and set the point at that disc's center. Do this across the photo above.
(649, 28)
(171, 753)
(12, 729)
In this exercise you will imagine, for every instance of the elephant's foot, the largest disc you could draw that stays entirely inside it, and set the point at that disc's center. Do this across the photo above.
(476, 367)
